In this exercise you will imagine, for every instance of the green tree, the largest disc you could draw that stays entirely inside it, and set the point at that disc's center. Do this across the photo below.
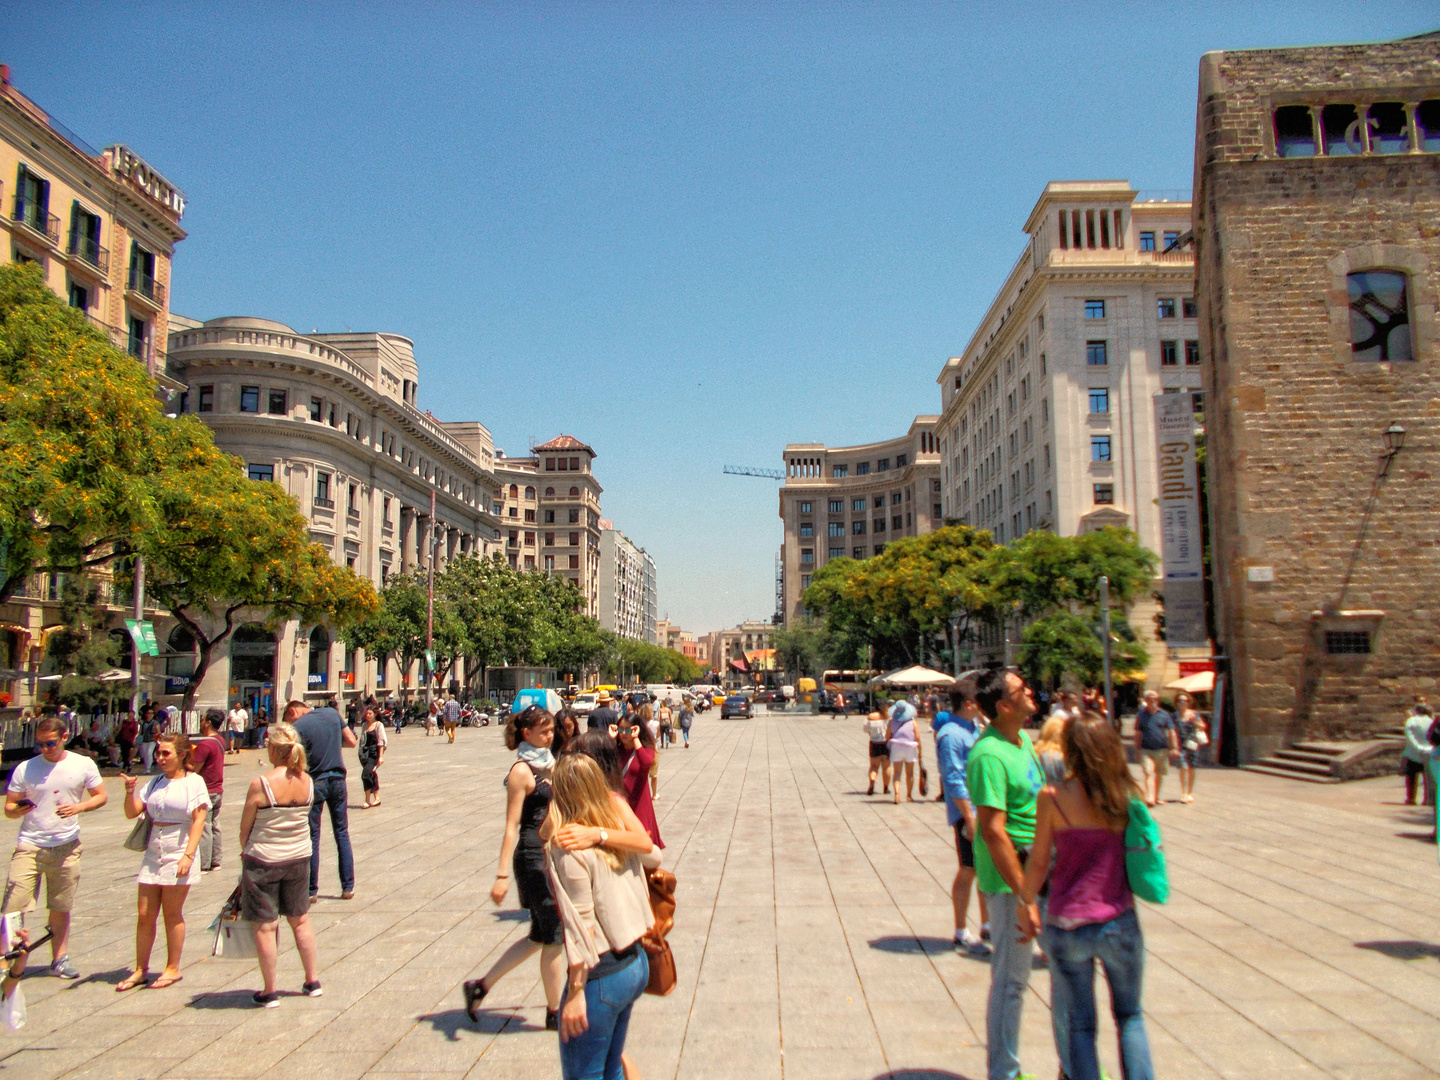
(398, 625)
(81, 648)
(803, 649)
(1063, 641)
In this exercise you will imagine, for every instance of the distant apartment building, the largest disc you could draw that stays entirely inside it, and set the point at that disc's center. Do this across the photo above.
(738, 654)
(850, 501)
(627, 586)
(549, 509)
(670, 636)
(1048, 418)
(332, 419)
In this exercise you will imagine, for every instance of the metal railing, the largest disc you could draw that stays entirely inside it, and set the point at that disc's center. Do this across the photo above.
(34, 216)
(146, 285)
(90, 250)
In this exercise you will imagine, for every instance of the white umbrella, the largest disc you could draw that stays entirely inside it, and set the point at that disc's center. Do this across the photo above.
(915, 675)
(1202, 682)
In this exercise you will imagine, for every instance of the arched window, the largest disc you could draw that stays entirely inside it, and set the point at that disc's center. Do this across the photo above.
(529, 492)
(182, 642)
(319, 678)
(549, 493)
(514, 491)
(252, 654)
(574, 492)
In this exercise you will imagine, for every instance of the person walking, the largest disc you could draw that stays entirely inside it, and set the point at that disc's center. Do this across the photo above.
(275, 861)
(236, 722)
(877, 731)
(903, 742)
(432, 722)
(637, 751)
(1156, 744)
(686, 718)
(645, 717)
(665, 719)
(128, 732)
(176, 803)
(323, 734)
(207, 756)
(372, 756)
(527, 801)
(149, 732)
(46, 794)
(604, 904)
(1192, 732)
(1090, 913)
(956, 731)
(604, 716)
(1004, 778)
(451, 712)
(1416, 754)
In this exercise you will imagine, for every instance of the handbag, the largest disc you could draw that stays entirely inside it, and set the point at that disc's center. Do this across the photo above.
(139, 838)
(924, 782)
(1145, 867)
(657, 950)
(234, 936)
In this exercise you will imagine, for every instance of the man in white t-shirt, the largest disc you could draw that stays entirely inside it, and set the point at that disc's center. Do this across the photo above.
(235, 724)
(46, 793)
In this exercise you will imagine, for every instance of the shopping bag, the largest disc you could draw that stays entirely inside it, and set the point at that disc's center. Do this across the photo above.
(234, 936)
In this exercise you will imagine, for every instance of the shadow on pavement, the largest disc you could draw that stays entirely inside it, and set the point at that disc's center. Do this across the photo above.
(922, 1074)
(1402, 950)
(913, 946)
(227, 999)
(512, 916)
(452, 1023)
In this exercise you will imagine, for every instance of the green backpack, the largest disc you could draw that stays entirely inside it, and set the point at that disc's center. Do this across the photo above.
(1145, 856)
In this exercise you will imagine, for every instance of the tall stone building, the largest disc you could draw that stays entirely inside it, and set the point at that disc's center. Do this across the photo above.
(1317, 232)
(627, 586)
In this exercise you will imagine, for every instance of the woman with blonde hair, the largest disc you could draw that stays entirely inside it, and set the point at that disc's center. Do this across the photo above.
(604, 904)
(275, 860)
(1050, 751)
(1090, 914)
(176, 803)
(1193, 733)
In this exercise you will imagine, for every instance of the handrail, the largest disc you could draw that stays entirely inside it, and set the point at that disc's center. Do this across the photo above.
(34, 217)
(145, 285)
(90, 250)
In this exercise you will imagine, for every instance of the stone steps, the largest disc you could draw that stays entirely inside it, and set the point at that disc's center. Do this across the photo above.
(1323, 762)
(1263, 766)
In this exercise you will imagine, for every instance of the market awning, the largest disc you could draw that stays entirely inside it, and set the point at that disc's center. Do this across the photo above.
(1202, 682)
(914, 675)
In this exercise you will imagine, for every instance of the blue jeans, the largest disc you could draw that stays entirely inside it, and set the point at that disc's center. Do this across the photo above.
(330, 791)
(1009, 979)
(1120, 948)
(595, 1055)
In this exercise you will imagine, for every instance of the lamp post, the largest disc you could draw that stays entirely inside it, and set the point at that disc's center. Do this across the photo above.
(1105, 638)
(955, 644)
(1394, 437)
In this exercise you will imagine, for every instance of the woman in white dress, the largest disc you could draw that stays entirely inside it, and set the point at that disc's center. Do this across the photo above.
(176, 803)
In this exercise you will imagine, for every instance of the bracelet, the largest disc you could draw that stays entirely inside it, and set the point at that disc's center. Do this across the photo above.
(502, 877)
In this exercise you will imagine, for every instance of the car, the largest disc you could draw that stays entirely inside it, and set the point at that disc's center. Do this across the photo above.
(585, 704)
(736, 705)
(718, 698)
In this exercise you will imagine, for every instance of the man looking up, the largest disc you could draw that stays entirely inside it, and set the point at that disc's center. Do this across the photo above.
(323, 733)
(1004, 777)
(45, 793)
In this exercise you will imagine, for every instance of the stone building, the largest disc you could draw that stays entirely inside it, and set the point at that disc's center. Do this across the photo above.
(332, 418)
(1317, 235)
(1048, 418)
(850, 501)
(549, 506)
(627, 586)
(749, 645)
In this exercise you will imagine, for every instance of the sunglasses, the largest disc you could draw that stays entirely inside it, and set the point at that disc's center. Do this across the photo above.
(49, 744)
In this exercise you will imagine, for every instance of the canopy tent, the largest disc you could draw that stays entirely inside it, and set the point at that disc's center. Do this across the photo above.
(1202, 682)
(914, 675)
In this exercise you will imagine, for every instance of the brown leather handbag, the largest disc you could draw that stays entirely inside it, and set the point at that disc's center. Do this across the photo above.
(657, 949)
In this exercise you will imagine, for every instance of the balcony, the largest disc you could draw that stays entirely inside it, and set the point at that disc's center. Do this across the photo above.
(322, 503)
(34, 217)
(88, 251)
(143, 287)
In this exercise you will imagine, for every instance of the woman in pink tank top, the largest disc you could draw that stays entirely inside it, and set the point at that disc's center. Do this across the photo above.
(1090, 914)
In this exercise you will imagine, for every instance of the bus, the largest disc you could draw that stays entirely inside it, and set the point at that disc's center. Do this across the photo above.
(846, 682)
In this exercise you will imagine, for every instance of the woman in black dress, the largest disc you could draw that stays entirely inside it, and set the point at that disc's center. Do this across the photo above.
(527, 787)
(372, 755)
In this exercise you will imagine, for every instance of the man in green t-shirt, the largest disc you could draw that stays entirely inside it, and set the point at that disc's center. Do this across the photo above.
(1004, 777)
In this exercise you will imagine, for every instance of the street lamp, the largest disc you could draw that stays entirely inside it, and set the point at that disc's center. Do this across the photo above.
(1394, 442)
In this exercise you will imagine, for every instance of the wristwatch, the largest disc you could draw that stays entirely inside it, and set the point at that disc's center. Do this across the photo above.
(604, 837)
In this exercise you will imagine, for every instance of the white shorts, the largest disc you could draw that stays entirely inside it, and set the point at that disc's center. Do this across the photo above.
(901, 753)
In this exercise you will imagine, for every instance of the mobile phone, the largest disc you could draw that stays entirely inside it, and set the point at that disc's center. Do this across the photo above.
(24, 804)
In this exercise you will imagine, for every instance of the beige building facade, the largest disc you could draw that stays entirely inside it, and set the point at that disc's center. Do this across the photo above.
(627, 586)
(1048, 418)
(850, 501)
(1317, 230)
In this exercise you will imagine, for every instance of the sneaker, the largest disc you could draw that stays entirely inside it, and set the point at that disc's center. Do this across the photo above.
(266, 1001)
(312, 989)
(985, 931)
(348, 894)
(63, 969)
(967, 942)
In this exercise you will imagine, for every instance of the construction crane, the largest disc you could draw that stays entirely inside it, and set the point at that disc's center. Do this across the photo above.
(747, 470)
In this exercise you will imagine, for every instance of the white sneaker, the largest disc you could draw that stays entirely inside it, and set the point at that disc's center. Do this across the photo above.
(965, 941)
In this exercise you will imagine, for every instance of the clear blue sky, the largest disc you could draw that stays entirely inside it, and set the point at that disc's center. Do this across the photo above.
(686, 233)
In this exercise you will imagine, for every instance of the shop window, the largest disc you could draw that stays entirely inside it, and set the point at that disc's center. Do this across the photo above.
(1380, 316)
(1294, 131)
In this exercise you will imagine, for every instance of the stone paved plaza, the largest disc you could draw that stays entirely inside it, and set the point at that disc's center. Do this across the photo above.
(812, 936)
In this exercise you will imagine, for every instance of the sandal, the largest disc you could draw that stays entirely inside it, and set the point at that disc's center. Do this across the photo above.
(165, 981)
(474, 994)
(138, 979)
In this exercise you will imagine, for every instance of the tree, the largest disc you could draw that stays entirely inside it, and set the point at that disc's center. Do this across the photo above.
(80, 648)
(399, 624)
(1062, 642)
(80, 437)
(803, 649)
(1041, 571)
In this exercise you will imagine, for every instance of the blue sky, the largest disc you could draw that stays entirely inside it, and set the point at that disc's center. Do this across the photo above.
(685, 233)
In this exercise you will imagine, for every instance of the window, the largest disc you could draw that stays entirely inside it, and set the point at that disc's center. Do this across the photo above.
(549, 517)
(1045, 410)
(1099, 399)
(1380, 316)
(530, 493)
(1094, 309)
(1427, 121)
(1165, 305)
(837, 553)
(857, 553)
(807, 528)
(1096, 353)
(1044, 370)
(529, 539)
(879, 525)
(1099, 447)
(1171, 240)
(139, 340)
(896, 522)
(895, 498)
(260, 472)
(804, 508)
(549, 464)
(863, 469)
(837, 528)
(322, 489)
(1147, 241)
(839, 472)
(385, 512)
(574, 493)
(575, 539)
(514, 538)
(858, 528)
(79, 296)
(85, 236)
(549, 562)
(935, 511)
(878, 502)
(807, 556)
(901, 460)
(317, 408)
(278, 401)
(32, 203)
(549, 539)
(804, 581)
(142, 271)
(837, 506)
(250, 399)
(1347, 642)
(574, 516)
(514, 512)
(883, 465)
(574, 562)
(1192, 353)
(1188, 308)
(1168, 353)
(1340, 126)
(1294, 131)
(352, 502)
(858, 506)
(1104, 494)
(530, 515)
(514, 491)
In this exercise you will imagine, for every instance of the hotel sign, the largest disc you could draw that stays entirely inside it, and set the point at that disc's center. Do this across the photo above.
(130, 166)
(1181, 543)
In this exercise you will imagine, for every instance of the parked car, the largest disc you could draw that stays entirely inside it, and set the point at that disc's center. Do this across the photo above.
(736, 705)
(584, 704)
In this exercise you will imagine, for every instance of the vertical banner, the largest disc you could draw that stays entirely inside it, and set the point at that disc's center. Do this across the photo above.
(1181, 549)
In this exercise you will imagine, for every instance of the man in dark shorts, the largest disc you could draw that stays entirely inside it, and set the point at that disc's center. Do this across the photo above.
(955, 733)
